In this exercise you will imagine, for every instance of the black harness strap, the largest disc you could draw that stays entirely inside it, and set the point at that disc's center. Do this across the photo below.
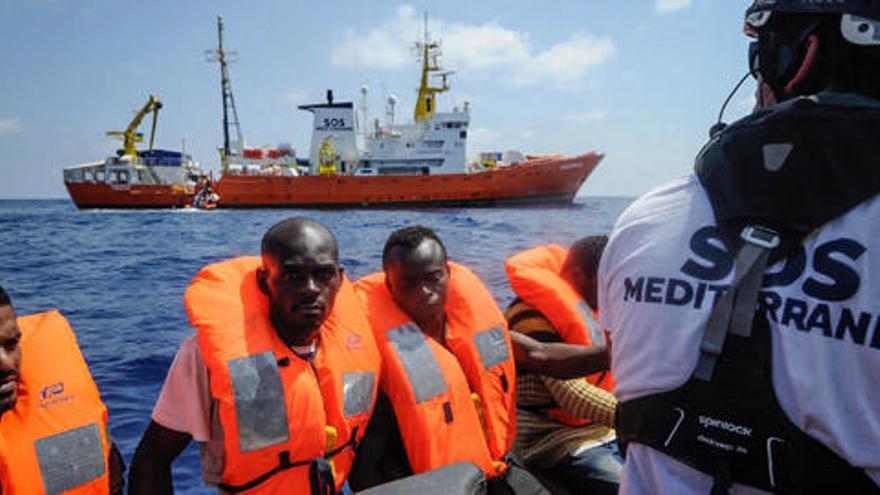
(320, 473)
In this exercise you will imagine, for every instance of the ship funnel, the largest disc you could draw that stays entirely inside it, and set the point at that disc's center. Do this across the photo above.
(333, 121)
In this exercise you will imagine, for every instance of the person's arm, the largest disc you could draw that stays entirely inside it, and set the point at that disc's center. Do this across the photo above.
(182, 413)
(117, 470)
(151, 466)
(557, 359)
(582, 400)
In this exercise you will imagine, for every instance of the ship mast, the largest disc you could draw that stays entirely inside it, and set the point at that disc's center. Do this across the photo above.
(230, 114)
(429, 51)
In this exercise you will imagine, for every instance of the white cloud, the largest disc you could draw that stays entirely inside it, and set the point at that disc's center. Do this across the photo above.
(382, 47)
(488, 47)
(590, 116)
(296, 97)
(10, 126)
(565, 64)
(480, 138)
(664, 6)
(527, 134)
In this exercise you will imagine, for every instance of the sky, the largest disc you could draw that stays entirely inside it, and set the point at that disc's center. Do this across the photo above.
(640, 81)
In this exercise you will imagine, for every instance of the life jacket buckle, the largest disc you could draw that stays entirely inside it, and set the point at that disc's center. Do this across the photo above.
(760, 236)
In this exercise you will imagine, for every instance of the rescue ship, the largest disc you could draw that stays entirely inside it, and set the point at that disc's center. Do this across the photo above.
(151, 178)
(419, 164)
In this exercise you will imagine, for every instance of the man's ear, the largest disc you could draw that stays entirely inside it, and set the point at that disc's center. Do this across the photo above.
(262, 275)
(341, 270)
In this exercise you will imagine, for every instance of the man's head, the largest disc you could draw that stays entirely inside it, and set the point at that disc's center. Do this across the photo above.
(805, 46)
(416, 272)
(581, 266)
(10, 354)
(300, 276)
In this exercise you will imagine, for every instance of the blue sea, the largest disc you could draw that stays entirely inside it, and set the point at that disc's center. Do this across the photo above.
(119, 276)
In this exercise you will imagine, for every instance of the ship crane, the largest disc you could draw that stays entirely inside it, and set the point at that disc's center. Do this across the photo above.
(130, 136)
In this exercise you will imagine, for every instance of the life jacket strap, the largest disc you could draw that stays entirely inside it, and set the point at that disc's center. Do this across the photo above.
(735, 310)
(316, 473)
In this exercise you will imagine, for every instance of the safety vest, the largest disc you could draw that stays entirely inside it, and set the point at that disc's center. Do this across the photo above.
(283, 417)
(453, 403)
(535, 276)
(55, 438)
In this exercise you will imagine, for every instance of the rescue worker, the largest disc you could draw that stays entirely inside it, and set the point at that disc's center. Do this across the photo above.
(447, 368)
(564, 427)
(279, 382)
(53, 424)
(743, 302)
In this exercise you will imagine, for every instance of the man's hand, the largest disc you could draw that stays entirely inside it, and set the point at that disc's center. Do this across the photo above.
(151, 466)
(559, 360)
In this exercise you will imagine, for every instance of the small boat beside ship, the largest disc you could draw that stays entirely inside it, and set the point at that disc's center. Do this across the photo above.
(151, 178)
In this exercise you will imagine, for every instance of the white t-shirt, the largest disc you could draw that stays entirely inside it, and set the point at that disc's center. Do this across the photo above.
(662, 269)
(185, 405)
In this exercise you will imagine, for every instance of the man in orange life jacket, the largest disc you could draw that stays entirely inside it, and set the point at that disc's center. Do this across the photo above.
(53, 425)
(447, 367)
(564, 426)
(278, 384)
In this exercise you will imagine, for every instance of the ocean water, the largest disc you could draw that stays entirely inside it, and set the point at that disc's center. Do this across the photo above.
(119, 276)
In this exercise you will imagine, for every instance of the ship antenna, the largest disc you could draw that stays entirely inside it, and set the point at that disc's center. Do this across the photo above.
(429, 53)
(230, 114)
(364, 91)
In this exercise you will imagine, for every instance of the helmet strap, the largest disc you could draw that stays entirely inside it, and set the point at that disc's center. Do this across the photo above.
(807, 63)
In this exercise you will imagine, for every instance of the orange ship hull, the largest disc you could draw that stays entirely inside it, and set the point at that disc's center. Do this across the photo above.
(92, 195)
(539, 180)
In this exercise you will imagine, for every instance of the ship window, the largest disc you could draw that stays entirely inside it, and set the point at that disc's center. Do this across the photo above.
(120, 177)
(462, 134)
(434, 144)
(99, 176)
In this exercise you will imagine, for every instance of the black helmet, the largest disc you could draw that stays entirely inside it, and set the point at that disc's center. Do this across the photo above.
(784, 29)
(861, 8)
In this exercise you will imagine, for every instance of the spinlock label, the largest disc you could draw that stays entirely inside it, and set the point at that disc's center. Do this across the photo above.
(710, 422)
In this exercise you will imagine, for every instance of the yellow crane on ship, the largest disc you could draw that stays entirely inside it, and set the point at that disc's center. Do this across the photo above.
(130, 137)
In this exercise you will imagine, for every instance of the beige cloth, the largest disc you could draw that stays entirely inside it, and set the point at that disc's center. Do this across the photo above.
(542, 441)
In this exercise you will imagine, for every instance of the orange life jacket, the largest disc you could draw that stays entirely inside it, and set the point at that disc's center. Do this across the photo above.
(454, 404)
(535, 277)
(282, 416)
(55, 438)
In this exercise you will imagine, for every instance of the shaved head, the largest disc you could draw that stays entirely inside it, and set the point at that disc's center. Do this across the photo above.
(289, 235)
(300, 276)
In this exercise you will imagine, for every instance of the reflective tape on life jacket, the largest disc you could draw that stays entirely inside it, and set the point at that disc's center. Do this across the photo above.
(282, 416)
(55, 438)
(535, 277)
(448, 399)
